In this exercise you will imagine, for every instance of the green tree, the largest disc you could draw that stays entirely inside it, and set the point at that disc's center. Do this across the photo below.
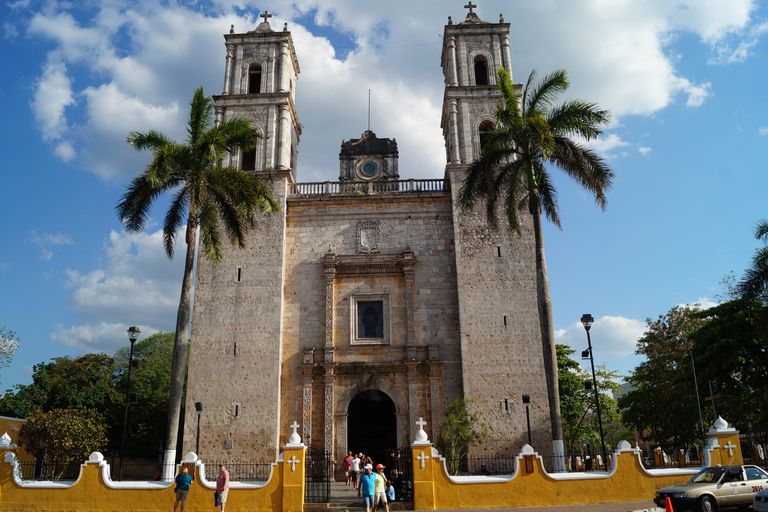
(533, 134)
(63, 436)
(8, 345)
(662, 400)
(66, 382)
(754, 284)
(151, 382)
(459, 431)
(206, 194)
(577, 404)
(731, 350)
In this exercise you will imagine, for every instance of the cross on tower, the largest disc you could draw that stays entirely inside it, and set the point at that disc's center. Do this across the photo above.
(266, 16)
(470, 6)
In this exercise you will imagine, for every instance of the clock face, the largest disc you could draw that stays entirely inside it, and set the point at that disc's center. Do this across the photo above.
(369, 169)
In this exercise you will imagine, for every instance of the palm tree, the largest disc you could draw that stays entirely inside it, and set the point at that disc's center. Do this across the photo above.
(205, 195)
(531, 135)
(754, 284)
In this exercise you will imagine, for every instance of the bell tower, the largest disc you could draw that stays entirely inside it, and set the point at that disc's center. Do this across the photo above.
(473, 51)
(260, 85)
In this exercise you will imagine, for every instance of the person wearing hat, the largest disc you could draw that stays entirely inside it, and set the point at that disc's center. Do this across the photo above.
(368, 486)
(380, 493)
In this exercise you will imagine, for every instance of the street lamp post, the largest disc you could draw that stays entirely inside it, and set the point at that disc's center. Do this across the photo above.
(199, 409)
(527, 402)
(587, 320)
(133, 335)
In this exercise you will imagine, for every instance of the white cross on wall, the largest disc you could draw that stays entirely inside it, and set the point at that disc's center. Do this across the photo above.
(293, 461)
(730, 448)
(421, 458)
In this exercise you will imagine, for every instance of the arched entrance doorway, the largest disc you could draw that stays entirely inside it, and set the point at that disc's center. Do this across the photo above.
(371, 424)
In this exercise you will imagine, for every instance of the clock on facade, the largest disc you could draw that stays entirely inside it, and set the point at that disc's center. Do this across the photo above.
(369, 168)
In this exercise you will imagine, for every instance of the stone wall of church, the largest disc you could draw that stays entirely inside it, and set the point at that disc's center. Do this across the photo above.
(501, 347)
(235, 352)
(422, 225)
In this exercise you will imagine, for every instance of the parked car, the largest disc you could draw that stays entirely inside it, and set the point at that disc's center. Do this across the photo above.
(716, 487)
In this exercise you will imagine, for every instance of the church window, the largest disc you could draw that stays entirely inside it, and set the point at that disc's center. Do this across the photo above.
(370, 319)
(498, 252)
(248, 162)
(486, 127)
(239, 274)
(254, 79)
(505, 319)
(481, 70)
(234, 350)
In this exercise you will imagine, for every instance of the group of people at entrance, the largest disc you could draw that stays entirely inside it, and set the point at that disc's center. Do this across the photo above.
(373, 487)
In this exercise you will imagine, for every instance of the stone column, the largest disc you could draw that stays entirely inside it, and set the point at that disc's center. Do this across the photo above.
(329, 416)
(413, 397)
(505, 55)
(284, 137)
(498, 61)
(238, 75)
(453, 123)
(228, 68)
(329, 265)
(219, 114)
(453, 78)
(285, 68)
(408, 263)
(306, 420)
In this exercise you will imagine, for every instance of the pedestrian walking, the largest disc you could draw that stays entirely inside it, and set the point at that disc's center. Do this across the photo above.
(222, 485)
(182, 488)
(368, 486)
(380, 489)
(346, 465)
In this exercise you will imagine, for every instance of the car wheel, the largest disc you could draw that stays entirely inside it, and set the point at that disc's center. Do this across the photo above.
(707, 504)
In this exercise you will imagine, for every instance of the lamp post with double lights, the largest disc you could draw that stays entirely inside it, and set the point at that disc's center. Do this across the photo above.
(133, 335)
(587, 320)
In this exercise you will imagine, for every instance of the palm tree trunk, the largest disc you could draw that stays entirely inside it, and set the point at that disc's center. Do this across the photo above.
(547, 335)
(179, 362)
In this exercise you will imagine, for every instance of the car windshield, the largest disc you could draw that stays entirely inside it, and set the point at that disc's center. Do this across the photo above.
(707, 476)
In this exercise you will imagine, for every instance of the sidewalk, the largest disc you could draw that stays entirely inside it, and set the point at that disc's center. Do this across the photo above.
(631, 506)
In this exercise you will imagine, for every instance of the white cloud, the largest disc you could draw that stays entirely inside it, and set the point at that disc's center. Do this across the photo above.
(644, 151)
(45, 240)
(52, 97)
(763, 130)
(607, 144)
(612, 336)
(138, 285)
(702, 303)
(104, 337)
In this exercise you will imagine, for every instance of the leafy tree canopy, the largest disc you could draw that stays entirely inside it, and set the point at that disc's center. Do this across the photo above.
(459, 431)
(577, 404)
(662, 401)
(8, 345)
(63, 436)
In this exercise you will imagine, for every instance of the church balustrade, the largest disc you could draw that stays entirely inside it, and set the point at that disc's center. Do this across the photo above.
(337, 188)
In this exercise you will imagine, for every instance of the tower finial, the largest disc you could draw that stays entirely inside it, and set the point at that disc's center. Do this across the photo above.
(470, 6)
(266, 16)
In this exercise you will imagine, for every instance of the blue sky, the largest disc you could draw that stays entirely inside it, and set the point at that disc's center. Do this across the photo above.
(685, 82)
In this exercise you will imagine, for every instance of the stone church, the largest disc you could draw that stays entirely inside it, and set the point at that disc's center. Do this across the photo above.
(372, 301)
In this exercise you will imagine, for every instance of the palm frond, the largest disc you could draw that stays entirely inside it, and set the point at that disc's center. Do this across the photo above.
(174, 219)
(200, 116)
(209, 231)
(761, 230)
(133, 208)
(545, 92)
(547, 195)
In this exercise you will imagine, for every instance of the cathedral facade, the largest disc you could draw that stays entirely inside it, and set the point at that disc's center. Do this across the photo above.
(366, 303)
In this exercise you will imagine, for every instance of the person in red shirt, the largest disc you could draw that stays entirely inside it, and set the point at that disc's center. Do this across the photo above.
(222, 485)
(347, 461)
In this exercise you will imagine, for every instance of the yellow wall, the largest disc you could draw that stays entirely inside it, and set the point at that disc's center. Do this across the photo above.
(434, 490)
(92, 491)
(11, 426)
